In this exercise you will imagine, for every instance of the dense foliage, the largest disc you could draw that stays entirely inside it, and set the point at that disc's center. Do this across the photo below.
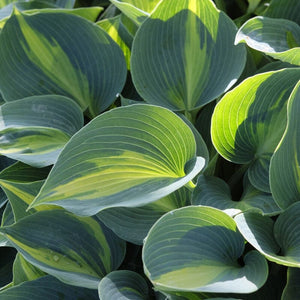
(150, 149)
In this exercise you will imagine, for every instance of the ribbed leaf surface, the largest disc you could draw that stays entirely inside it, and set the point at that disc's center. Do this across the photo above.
(183, 55)
(136, 154)
(196, 248)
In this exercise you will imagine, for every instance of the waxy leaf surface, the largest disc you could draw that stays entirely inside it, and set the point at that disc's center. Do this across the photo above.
(196, 249)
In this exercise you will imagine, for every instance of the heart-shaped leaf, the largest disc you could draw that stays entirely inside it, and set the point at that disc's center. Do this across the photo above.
(123, 285)
(244, 122)
(34, 129)
(137, 154)
(183, 55)
(278, 241)
(196, 249)
(77, 250)
(284, 168)
(59, 53)
(278, 38)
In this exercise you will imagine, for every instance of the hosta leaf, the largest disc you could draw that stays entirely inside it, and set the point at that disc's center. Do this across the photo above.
(34, 129)
(278, 38)
(244, 122)
(137, 154)
(133, 223)
(24, 271)
(32, 7)
(118, 32)
(136, 10)
(123, 285)
(284, 169)
(285, 9)
(78, 251)
(183, 55)
(196, 249)
(292, 288)
(47, 287)
(214, 192)
(59, 53)
(277, 241)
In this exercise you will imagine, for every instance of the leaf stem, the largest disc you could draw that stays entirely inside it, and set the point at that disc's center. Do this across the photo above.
(190, 185)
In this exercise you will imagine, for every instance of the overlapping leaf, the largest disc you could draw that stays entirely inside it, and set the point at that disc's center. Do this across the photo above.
(284, 169)
(278, 241)
(292, 288)
(278, 38)
(34, 129)
(284, 9)
(118, 32)
(24, 271)
(183, 55)
(133, 223)
(214, 192)
(33, 7)
(76, 250)
(250, 120)
(123, 285)
(59, 53)
(136, 154)
(136, 10)
(197, 249)
(47, 287)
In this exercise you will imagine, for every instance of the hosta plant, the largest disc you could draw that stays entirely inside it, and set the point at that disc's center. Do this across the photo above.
(149, 149)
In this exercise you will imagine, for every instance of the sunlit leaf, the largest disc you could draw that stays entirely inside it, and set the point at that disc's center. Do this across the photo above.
(137, 154)
(250, 120)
